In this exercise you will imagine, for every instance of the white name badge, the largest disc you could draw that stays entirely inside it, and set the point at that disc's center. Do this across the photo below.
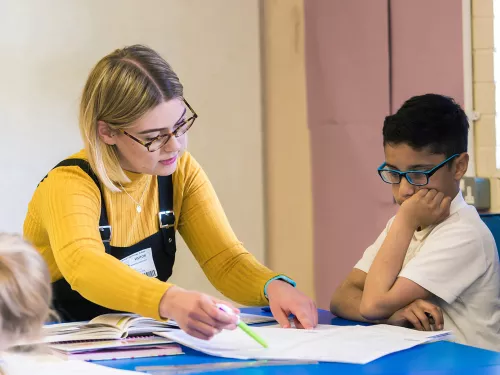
(142, 262)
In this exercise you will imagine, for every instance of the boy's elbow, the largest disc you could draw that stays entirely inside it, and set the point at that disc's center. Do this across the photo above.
(335, 303)
(370, 309)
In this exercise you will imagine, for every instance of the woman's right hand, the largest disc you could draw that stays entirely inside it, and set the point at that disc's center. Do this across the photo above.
(196, 313)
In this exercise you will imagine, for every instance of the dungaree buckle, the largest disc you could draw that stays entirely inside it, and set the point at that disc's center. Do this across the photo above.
(166, 219)
(105, 231)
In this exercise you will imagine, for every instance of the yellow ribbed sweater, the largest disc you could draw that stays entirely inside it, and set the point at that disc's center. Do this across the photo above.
(62, 223)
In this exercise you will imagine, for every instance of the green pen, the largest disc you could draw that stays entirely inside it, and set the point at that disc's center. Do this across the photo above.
(243, 325)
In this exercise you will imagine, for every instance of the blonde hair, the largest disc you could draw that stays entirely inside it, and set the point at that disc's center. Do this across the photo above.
(25, 291)
(121, 88)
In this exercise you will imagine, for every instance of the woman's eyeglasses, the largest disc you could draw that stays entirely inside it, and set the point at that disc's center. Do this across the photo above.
(158, 142)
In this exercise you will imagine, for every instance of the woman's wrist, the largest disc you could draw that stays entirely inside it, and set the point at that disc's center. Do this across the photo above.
(165, 305)
(282, 278)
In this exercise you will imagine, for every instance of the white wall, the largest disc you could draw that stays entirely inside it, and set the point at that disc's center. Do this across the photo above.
(48, 47)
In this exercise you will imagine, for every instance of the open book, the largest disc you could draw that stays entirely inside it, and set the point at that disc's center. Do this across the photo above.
(107, 326)
(117, 326)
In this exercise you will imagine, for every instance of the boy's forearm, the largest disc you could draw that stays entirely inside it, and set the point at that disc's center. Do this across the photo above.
(345, 304)
(376, 299)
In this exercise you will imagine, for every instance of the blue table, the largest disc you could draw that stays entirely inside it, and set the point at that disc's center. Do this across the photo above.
(436, 358)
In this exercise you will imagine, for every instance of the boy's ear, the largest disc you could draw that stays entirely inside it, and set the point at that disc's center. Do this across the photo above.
(106, 134)
(461, 164)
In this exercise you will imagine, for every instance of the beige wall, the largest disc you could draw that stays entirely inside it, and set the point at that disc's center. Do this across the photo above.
(287, 144)
(484, 95)
(48, 48)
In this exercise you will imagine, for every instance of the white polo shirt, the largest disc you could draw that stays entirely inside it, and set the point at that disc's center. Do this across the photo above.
(457, 261)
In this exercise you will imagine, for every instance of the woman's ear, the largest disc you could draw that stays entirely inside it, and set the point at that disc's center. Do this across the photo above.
(462, 162)
(106, 134)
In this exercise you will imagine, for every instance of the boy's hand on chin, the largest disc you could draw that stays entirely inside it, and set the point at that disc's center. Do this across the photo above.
(426, 207)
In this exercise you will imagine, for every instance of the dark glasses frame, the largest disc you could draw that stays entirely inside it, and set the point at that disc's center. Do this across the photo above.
(166, 137)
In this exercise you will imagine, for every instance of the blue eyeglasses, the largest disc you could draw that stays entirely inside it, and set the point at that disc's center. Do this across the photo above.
(417, 178)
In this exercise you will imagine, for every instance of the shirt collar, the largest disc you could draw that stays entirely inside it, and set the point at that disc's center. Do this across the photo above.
(457, 203)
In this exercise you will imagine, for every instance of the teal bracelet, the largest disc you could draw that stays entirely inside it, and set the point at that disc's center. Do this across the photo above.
(279, 277)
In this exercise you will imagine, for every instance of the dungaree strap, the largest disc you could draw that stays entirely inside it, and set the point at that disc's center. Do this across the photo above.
(104, 228)
(166, 215)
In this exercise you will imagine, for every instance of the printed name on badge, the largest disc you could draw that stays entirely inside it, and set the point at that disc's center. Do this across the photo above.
(142, 261)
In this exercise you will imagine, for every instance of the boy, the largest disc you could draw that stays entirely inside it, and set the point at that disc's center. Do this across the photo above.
(435, 266)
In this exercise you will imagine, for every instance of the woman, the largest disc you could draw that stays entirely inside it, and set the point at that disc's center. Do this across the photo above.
(105, 218)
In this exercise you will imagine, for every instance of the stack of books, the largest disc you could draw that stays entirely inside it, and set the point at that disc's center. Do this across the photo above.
(118, 336)
(130, 347)
(110, 336)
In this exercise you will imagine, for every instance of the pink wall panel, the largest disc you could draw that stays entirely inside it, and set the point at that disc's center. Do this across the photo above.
(346, 61)
(427, 51)
(348, 98)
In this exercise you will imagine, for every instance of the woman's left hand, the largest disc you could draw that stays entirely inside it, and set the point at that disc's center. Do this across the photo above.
(284, 300)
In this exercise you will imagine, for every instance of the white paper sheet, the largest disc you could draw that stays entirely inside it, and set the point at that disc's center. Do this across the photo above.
(349, 344)
(318, 327)
(40, 364)
(249, 319)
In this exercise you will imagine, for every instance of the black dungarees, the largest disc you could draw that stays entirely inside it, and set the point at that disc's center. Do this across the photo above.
(69, 304)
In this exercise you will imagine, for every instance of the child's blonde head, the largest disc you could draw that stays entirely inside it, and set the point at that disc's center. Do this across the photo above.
(25, 291)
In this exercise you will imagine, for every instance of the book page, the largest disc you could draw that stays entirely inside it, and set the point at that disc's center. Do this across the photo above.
(107, 326)
(132, 324)
(120, 321)
(79, 331)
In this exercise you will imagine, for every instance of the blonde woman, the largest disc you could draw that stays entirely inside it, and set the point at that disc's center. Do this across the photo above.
(105, 218)
(25, 292)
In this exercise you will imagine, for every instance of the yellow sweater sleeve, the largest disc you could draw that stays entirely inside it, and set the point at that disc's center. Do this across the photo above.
(205, 229)
(68, 210)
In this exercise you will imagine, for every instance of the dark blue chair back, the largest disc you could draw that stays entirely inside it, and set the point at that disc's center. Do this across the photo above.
(492, 221)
